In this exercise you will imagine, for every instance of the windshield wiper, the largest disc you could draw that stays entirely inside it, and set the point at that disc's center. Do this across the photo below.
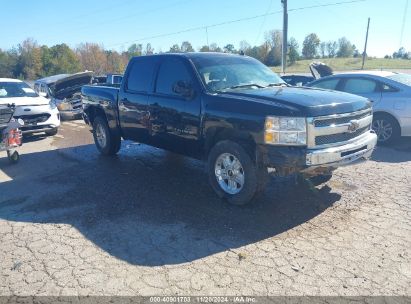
(246, 85)
(278, 84)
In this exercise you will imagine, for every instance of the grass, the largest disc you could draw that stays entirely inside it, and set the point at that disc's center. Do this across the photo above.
(348, 64)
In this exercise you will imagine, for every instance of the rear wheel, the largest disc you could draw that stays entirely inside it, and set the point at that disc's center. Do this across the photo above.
(107, 141)
(232, 173)
(387, 129)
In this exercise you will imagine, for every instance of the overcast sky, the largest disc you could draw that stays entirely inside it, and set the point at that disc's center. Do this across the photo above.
(117, 24)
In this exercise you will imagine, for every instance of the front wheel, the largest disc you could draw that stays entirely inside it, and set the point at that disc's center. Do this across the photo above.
(107, 142)
(232, 173)
(386, 128)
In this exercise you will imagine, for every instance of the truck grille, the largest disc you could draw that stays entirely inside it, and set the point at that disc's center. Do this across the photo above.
(34, 119)
(339, 120)
(337, 138)
(333, 130)
(76, 104)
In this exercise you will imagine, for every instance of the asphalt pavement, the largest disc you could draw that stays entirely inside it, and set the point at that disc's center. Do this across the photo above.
(146, 222)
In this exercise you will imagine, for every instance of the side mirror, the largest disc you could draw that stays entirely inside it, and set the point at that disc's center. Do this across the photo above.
(184, 89)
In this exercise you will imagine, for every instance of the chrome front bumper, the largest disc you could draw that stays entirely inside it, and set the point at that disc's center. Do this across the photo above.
(358, 150)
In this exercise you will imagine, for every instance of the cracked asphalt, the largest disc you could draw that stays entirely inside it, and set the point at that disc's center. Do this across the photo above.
(147, 223)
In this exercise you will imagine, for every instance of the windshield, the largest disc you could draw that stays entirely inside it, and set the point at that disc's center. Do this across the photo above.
(16, 89)
(401, 78)
(226, 72)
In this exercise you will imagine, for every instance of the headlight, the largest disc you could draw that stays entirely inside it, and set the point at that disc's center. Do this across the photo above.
(64, 106)
(52, 104)
(285, 131)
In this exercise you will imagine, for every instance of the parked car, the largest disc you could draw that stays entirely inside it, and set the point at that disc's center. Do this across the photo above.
(236, 114)
(297, 80)
(390, 93)
(113, 80)
(64, 90)
(38, 113)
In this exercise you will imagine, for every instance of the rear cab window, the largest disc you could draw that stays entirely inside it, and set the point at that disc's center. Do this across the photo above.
(140, 76)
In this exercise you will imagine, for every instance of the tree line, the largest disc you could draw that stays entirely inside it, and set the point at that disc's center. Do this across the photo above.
(29, 60)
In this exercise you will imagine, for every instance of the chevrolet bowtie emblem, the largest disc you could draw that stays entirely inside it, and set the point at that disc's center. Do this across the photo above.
(353, 126)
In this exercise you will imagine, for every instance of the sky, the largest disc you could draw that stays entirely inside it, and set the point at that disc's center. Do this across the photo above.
(117, 24)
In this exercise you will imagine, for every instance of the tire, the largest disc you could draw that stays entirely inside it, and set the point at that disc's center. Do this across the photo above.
(320, 179)
(13, 157)
(52, 132)
(107, 141)
(387, 129)
(228, 163)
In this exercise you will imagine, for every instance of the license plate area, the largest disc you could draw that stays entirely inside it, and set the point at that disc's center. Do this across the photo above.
(351, 152)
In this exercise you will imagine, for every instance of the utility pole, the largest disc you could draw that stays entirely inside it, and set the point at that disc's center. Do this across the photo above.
(365, 46)
(285, 33)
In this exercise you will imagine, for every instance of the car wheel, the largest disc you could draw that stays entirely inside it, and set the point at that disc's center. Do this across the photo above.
(387, 129)
(107, 142)
(232, 173)
(13, 157)
(52, 132)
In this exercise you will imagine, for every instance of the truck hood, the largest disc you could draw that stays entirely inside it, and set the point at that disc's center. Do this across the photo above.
(309, 102)
(69, 85)
(25, 101)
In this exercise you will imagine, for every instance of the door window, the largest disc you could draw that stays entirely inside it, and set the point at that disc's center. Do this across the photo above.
(360, 86)
(171, 71)
(141, 75)
(330, 84)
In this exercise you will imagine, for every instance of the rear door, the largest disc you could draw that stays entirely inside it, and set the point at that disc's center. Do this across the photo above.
(133, 98)
(175, 119)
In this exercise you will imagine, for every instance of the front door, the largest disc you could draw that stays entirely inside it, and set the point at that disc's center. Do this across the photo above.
(175, 119)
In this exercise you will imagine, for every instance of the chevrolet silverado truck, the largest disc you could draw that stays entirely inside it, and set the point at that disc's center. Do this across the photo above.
(236, 114)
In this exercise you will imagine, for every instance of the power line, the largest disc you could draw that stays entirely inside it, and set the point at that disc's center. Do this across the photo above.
(263, 23)
(232, 21)
(403, 22)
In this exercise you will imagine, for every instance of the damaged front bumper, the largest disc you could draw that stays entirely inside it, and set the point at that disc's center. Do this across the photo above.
(353, 152)
(284, 161)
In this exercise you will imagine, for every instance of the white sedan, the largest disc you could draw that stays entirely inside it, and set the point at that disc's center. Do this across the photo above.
(390, 93)
(38, 114)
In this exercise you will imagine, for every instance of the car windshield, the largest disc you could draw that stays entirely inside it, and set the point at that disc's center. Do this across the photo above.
(234, 72)
(16, 89)
(401, 78)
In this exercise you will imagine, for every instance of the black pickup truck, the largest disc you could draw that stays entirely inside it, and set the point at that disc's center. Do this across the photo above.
(236, 114)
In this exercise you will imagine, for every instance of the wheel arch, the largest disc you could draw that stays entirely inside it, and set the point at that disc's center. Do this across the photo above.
(244, 139)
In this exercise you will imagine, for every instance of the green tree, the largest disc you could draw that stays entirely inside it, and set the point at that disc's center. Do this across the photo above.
(186, 47)
(215, 48)
(293, 53)
(229, 48)
(332, 47)
(135, 50)
(29, 64)
(8, 63)
(149, 49)
(274, 41)
(310, 46)
(175, 48)
(204, 48)
(345, 48)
